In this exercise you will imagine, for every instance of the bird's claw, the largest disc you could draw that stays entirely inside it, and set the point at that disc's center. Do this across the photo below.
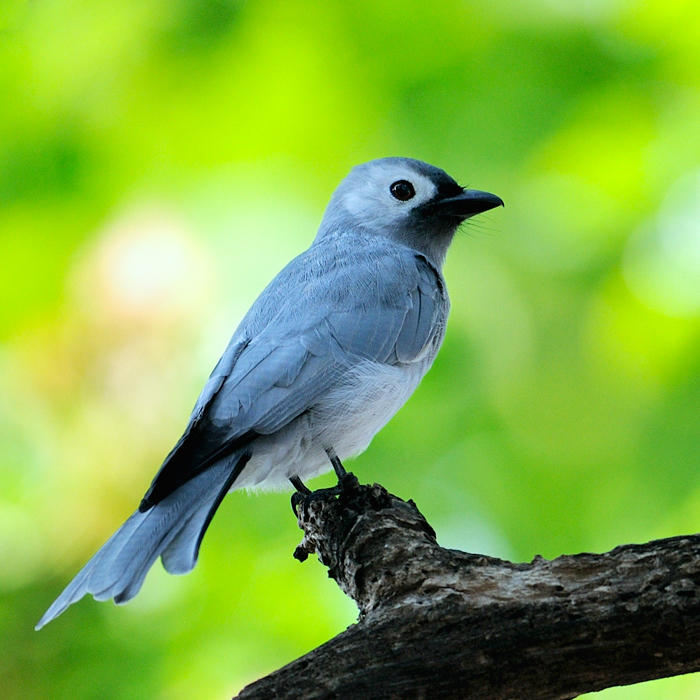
(304, 495)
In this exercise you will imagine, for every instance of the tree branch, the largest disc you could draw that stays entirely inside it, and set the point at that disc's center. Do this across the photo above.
(437, 622)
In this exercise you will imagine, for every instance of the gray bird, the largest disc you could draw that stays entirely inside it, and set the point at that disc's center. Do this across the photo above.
(327, 354)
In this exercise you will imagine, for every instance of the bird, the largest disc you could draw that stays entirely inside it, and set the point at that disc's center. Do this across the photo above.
(326, 355)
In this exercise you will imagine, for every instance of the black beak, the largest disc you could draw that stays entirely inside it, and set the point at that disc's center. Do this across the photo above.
(468, 203)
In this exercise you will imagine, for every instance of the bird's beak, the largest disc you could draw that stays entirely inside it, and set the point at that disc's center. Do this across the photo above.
(468, 203)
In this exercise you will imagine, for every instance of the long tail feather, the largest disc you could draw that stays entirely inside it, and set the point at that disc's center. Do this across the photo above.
(173, 529)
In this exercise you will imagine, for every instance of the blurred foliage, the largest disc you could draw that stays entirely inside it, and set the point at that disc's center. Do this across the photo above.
(160, 161)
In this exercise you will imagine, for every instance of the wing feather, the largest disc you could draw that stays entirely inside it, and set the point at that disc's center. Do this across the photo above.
(387, 311)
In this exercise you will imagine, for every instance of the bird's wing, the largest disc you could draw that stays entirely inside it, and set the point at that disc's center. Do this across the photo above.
(269, 383)
(385, 312)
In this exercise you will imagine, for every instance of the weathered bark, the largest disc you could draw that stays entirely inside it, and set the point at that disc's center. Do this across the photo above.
(439, 623)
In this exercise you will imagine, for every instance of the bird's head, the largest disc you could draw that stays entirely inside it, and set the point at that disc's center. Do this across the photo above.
(407, 200)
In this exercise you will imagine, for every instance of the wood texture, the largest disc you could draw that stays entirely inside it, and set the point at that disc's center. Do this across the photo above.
(440, 623)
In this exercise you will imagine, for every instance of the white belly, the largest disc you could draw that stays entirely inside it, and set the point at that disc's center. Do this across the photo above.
(353, 414)
(346, 420)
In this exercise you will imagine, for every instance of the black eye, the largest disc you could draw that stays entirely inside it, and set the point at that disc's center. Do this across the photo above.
(402, 189)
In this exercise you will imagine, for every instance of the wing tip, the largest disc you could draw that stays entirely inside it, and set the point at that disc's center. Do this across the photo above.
(145, 505)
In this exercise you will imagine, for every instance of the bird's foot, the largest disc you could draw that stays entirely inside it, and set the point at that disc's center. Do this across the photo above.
(304, 495)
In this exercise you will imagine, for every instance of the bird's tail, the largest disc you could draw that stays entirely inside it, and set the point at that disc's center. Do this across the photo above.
(172, 529)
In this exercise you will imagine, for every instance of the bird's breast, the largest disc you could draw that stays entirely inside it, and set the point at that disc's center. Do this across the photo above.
(370, 394)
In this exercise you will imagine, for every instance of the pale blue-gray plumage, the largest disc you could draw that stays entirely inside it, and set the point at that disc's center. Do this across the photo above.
(330, 350)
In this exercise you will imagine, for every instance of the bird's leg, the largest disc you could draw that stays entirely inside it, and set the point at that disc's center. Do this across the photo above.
(345, 478)
(299, 485)
(303, 493)
(338, 467)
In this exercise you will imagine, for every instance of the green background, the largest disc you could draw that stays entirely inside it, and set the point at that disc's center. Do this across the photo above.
(161, 161)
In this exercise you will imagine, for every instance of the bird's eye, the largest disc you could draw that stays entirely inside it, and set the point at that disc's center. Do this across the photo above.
(402, 190)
